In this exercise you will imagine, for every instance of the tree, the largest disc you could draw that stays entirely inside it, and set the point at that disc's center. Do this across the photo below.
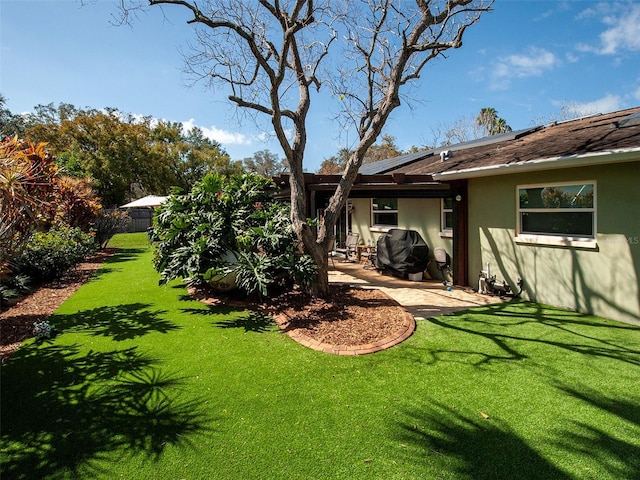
(186, 157)
(11, 125)
(271, 54)
(492, 124)
(265, 163)
(335, 164)
(124, 155)
(386, 149)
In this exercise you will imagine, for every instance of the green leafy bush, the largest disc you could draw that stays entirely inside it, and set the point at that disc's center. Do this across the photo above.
(12, 286)
(229, 226)
(49, 255)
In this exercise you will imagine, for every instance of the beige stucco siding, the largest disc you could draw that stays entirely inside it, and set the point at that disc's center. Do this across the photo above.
(603, 281)
(419, 214)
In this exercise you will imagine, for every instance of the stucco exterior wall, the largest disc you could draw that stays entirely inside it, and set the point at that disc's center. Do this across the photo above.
(419, 214)
(604, 281)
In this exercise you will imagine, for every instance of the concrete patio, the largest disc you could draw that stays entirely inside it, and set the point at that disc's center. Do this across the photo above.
(423, 299)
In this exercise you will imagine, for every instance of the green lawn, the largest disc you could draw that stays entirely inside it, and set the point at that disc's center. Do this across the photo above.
(145, 383)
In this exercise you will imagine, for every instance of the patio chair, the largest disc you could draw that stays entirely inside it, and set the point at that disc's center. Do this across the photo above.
(443, 261)
(331, 250)
(350, 249)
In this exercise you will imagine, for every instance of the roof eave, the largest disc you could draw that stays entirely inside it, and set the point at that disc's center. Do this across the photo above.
(551, 163)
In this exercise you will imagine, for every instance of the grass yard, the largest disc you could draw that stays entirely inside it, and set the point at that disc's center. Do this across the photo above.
(143, 382)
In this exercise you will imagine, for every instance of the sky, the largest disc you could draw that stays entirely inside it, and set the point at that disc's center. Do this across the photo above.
(529, 60)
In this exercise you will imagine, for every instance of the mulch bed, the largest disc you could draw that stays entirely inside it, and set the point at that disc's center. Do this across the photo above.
(16, 322)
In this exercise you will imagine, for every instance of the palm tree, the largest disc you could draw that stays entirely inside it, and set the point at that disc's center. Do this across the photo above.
(488, 118)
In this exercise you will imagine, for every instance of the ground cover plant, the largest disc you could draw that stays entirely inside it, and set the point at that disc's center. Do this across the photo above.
(141, 381)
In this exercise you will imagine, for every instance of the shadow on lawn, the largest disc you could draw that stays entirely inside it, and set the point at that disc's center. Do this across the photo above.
(125, 255)
(478, 448)
(620, 458)
(507, 325)
(122, 322)
(472, 448)
(65, 409)
(253, 321)
(258, 322)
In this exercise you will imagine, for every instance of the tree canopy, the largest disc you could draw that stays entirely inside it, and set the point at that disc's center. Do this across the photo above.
(124, 155)
(265, 163)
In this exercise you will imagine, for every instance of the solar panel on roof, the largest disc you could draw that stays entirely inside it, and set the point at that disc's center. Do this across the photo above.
(384, 166)
(629, 121)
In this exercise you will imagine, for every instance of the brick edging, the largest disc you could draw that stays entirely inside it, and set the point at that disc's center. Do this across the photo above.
(406, 330)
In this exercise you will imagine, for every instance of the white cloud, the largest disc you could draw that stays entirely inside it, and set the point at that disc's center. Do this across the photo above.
(533, 63)
(223, 137)
(636, 94)
(608, 103)
(623, 32)
(571, 58)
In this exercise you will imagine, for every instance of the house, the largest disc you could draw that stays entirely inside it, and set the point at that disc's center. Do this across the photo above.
(557, 206)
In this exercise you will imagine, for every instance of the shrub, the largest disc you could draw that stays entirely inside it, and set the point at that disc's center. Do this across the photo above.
(49, 255)
(76, 203)
(229, 226)
(12, 287)
(108, 223)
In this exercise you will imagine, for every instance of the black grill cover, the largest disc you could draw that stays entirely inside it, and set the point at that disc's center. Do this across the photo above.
(403, 251)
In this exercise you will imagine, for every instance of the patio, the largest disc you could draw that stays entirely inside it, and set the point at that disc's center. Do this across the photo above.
(423, 299)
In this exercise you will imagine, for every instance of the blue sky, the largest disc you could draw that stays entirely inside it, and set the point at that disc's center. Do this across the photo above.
(526, 59)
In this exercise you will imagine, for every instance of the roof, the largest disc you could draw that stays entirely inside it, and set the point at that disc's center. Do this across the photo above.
(599, 139)
(148, 201)
(393, 164)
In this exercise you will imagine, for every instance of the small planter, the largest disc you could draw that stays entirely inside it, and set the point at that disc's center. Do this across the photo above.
(224, 283)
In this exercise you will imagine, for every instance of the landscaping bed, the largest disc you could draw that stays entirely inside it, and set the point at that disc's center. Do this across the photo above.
(16, 322)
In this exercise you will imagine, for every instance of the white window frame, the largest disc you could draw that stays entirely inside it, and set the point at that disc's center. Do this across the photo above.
(444, 230)
(554, 239)
(375, 225)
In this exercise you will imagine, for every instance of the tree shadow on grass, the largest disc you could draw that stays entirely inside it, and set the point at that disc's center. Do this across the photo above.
(122, 322)
(251, 321)
(125, 255)
(258, 322)
(613, 445)
(446, 440)
(511, 326)
(65, 409)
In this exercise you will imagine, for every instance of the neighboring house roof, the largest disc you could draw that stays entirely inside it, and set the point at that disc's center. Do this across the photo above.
(148, 201)
(599, 139)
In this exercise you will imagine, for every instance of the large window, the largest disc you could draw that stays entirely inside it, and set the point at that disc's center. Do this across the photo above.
(384, 212)
(565, 210)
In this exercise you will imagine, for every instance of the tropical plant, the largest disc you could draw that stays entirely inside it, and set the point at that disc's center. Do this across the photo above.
(27, 174)
(76, 203)
(226, 227)
(492, 124)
